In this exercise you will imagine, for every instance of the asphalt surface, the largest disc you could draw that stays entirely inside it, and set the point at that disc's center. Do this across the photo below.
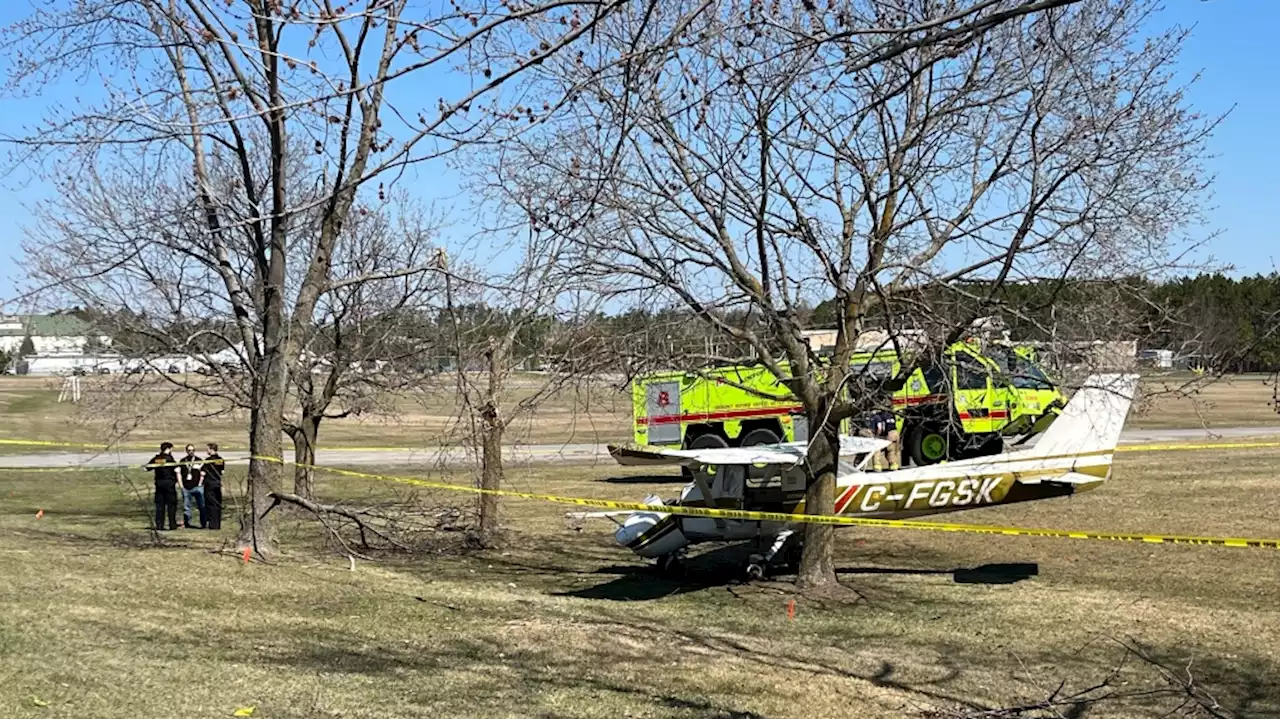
(526, 454)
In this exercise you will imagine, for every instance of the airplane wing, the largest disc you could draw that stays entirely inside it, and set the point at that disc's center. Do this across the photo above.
(786, 454)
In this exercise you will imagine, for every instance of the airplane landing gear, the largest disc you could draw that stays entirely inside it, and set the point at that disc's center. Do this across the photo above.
(758, 565)
(670, 565)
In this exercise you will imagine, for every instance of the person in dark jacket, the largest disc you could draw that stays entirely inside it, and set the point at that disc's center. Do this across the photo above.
(192, 487)
(883, 424)
(164, 470)
(212, 471)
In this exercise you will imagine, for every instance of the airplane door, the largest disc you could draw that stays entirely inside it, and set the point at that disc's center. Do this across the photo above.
(662, 405)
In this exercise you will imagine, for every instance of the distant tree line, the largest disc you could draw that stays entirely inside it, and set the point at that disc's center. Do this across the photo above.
(1232, 325)
(1228, 324)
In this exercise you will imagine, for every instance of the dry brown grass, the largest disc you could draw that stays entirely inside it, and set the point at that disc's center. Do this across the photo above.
(117, 407)
(1179, 402)
(562, 623)
(592, 412)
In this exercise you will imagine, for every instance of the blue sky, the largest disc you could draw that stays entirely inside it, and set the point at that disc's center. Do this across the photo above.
(1228, 47)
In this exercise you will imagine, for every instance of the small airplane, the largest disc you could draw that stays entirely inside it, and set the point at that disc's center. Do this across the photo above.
(1074, 455)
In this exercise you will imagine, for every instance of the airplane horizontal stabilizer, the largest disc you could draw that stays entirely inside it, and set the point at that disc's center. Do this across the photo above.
(1074, 478)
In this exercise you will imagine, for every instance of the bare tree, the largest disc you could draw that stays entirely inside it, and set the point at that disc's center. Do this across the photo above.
(498, 322)
(774, 160)
(366, 345)
(202, 84)
(128, 253)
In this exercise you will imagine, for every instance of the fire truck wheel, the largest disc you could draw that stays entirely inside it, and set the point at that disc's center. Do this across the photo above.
(757, 437)
(928, 444)
(710, 440)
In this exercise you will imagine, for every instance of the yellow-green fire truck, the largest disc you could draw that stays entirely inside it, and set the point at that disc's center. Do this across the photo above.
(1038, 398)
(963, 406)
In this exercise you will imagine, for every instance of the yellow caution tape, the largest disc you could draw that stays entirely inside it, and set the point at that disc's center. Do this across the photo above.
(150, 446)
(117, 467)
(40, 443)
(783, 517)
(1164, 447)
(1186, 446)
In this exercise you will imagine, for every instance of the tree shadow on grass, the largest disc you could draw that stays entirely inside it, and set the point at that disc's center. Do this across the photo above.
(501, 676)
(724, 566)
(998, 573)
(1245, 685)
(643, 582)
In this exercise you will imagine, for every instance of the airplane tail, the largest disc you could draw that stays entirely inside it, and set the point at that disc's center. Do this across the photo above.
(1092, 419)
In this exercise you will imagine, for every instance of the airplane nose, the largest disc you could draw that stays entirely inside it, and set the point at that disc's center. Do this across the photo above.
(651, 535)
(635, 526)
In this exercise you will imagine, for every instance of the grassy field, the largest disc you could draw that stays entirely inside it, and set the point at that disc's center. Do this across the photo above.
(98, 621)
(117, 407)
(1172, 403)
(587, 413)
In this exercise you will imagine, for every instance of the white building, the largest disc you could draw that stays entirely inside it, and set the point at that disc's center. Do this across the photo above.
(70, 363)
(824, 341)
(49, 334)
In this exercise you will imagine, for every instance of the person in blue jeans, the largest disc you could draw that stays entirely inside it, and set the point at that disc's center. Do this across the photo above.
(192, 488)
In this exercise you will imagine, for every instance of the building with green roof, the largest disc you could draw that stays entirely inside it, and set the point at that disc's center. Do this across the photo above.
(50, 334)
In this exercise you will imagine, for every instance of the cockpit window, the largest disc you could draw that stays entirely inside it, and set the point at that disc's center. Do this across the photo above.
(970, 374)
(1022, 372)
(1026, 375)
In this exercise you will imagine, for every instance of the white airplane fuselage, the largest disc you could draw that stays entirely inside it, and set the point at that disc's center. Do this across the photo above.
(1074, 455)
(900, 494)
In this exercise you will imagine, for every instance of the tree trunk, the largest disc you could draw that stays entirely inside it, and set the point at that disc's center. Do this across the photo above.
(491, 427)
(304, 456)
(817, 563)
(490, 470)
(265, 426)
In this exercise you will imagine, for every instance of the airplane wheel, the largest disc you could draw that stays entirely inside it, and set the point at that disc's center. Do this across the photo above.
(669, 565)
(755, 572)
(757, 437)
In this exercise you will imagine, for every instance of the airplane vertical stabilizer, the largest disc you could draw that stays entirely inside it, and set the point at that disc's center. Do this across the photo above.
(1093, 419)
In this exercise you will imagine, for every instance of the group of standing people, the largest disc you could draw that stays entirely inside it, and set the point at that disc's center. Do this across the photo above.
(201, 481)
